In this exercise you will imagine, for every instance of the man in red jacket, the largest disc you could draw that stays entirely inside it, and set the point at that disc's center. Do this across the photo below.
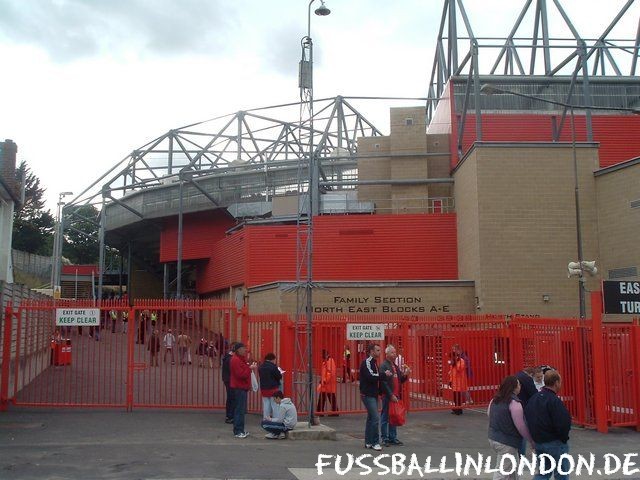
(240, 384)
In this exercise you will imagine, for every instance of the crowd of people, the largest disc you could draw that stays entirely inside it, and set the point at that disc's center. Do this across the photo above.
(239, 375)
(525, 414)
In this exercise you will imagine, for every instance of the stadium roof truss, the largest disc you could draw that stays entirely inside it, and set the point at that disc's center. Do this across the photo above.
(254, 154)
(523, 55)
(256, 142)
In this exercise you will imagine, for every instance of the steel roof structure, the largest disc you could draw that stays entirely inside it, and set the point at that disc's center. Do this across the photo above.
(251, 155)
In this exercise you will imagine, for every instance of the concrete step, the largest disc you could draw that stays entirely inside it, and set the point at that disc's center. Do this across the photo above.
(317, 432)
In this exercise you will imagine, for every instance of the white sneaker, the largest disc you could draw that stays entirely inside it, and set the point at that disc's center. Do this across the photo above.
(376, 447)
(283, 436)
(367, 445)
(242, 435)
(271, 435)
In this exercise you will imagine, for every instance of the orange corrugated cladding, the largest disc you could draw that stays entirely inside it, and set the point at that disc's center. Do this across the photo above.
(201, 231)
(226, 267)
(346, 247)
(618, 135)
(79, 269)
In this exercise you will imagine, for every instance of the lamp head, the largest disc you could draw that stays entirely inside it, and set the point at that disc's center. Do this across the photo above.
(489, 89)
(64, 194)
(322, 10)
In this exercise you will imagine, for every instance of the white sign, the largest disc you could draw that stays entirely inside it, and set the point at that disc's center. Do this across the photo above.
(365, 331)
(77, 317)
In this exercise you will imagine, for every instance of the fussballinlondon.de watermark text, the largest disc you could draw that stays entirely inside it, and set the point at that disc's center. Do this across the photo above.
(468, 466)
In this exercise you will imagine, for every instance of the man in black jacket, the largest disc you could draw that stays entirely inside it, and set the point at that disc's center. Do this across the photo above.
(270, 378)
(391, 384)
(226, 379)
(549, 422)
(527, 386)
(527, 390)
(369, 391)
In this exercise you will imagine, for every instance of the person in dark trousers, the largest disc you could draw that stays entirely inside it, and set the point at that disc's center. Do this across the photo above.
(458, 380)
(154, 347)
(328, 384)
(346, 365)
(527, 390)
(226, 379)
(549, 422)
(270, 377)
(391, 392)
(240, 384)
(369, 391)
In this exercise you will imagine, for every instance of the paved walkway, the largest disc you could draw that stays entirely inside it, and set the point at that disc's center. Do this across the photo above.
(146, 444)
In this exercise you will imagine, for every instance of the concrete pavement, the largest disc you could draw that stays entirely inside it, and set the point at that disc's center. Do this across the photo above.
(144, 444)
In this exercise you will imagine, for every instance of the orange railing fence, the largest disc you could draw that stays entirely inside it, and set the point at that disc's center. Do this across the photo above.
(119, 365)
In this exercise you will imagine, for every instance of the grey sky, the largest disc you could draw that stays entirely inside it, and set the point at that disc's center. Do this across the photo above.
(72, 29)
(90, 80)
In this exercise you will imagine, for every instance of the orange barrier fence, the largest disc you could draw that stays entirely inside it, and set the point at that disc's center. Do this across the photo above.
(122, 364)
(153, 354)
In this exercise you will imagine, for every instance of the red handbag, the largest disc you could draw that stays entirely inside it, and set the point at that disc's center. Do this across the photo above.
(397, 413)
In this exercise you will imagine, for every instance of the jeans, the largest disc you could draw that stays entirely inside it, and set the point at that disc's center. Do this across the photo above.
(269, 408)
(240, 404)
(372, 427)
(554, 449)
(274, 427)
(182, 354)
(522, 450)
(230, 405)
(389, 432)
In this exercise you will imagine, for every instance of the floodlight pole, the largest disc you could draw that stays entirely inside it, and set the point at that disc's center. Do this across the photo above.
(306, 93)
(58, 232)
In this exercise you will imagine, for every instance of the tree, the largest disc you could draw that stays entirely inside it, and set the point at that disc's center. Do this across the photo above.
(81, 245)
(32, 225)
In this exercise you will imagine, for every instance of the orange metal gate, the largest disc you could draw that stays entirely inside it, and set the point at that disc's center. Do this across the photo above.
(117, 365)
(121, 363)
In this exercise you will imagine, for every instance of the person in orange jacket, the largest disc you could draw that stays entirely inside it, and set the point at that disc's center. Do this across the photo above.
(458, 378)
(328, 383)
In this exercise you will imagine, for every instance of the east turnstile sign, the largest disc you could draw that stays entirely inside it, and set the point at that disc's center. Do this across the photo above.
(365, 331)
(77, 317)
(621, 297)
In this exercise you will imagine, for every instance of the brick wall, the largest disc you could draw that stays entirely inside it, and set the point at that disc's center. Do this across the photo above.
(457, 297)
(8, 150)
(618, 225)
(524, 231)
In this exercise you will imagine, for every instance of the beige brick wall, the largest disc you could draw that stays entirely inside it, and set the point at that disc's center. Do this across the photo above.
(407, 147)
(524, 231)
(265, 301)
(468, 223)
(406, 300)
(378, 168)
(618, 223)
(439, 166)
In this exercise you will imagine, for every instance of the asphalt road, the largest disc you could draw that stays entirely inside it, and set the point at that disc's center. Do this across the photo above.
(145, 444)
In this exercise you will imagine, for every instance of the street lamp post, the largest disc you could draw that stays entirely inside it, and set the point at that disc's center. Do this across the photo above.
(58, 232)
(306, 95)
(489, 89)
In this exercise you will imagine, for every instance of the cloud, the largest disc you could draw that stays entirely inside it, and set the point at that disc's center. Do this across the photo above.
(72, 29)
(282, 50)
